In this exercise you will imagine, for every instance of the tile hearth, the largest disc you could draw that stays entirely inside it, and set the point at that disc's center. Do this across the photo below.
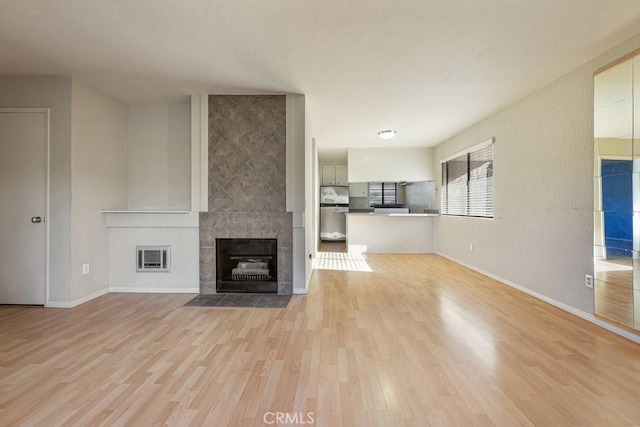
(241, 300)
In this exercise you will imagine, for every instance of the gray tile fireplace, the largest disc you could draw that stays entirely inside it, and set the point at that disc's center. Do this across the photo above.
(247, 182)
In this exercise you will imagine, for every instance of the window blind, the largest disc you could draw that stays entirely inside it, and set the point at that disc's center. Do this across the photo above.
(468, 183)
(382, 193)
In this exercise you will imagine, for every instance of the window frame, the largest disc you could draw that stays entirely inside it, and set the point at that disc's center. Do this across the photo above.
(468, 198)
(383, 187)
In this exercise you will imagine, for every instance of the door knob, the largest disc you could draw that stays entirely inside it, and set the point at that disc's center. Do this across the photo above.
(36, 219)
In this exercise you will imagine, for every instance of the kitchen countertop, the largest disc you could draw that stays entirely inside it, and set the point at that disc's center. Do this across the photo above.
(390, 214)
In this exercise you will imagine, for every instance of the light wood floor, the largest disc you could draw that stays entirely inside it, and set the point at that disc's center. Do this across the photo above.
(616, 291)
(332, 247)
(416, 341)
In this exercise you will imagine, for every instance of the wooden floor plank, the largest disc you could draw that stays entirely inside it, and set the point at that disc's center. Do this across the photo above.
(418, 340)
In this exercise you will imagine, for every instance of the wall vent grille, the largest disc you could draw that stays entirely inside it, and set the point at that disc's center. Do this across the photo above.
(153, 259)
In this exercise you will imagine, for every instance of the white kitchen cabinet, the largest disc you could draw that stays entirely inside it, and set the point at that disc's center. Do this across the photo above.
(359, 189)
(333, 174)
(341, 175)
(328, 174)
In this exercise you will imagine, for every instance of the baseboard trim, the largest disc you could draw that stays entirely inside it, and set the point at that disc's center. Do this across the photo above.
(297, 291)
(569, 309)
(154, 290)
(74, 303)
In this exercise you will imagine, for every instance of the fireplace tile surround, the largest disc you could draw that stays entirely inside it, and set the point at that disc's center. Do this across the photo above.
(247, 181)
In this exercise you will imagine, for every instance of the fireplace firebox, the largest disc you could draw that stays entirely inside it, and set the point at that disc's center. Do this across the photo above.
(247, 265)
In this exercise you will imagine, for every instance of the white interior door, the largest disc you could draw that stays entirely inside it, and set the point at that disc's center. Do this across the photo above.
(23, 203)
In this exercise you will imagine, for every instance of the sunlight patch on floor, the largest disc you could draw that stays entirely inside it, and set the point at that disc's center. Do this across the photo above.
(617, 265)
(476, 335)
(341, 261)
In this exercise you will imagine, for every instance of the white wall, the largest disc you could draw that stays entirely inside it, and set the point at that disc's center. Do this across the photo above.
(53, 93)
(390, 164)
(162, 151)
(180, 231)
(389, 234)
(99, 171)
(542, 234)
(90, 170)
(336, 156)
(296, 176)
(311, 200)
(160, 156)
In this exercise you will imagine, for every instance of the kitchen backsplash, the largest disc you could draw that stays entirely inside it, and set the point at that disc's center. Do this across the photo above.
(359, 203)
(420, 196)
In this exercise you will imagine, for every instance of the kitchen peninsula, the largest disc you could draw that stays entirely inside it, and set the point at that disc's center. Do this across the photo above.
(370, 173)
(390, 233)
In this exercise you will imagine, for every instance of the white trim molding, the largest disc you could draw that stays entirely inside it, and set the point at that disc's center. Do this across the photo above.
(157, 219)
(199, 152)
(153, 290)
(74, 303)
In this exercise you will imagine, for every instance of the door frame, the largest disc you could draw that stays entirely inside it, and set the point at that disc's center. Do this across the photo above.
(599, 189)
(47, 116)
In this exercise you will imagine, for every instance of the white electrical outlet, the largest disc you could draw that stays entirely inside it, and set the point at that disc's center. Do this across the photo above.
(588, 281)
(470, 246)
(85, 268)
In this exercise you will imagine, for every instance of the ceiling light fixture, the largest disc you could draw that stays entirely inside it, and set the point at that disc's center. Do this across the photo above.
(387, 134)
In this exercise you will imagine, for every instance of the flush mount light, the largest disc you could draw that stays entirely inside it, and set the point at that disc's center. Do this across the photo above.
(387, 134)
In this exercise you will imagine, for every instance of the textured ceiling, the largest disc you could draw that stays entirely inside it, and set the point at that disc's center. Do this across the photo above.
(424, 67)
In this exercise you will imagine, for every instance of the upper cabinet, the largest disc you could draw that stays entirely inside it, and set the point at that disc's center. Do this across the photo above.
(341, 175)
(328, 174)
(359, 189)
(334, 174)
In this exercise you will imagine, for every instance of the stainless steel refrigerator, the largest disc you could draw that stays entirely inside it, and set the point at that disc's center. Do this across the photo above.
(334, 204)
